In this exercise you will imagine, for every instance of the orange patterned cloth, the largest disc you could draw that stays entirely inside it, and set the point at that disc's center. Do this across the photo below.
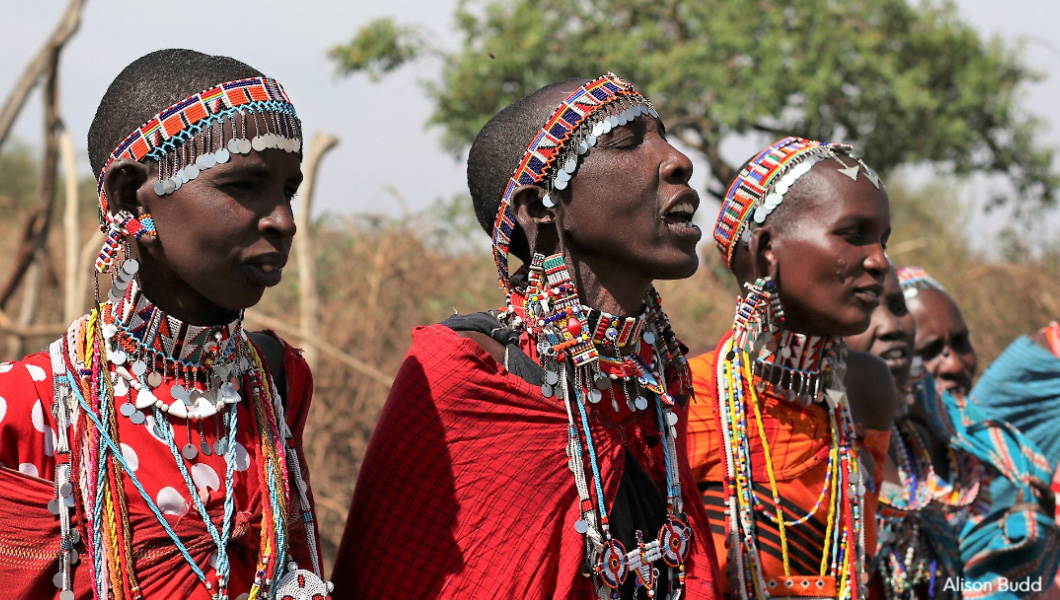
(799, 442)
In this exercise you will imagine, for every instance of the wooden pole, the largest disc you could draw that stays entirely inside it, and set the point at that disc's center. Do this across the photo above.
(39, 65)
(305, 251)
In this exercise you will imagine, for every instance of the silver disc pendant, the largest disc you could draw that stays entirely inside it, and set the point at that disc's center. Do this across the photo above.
(205, 448)
(641, 402)
(137, 418)
(220, 446)
(189, 452)
(222, 156)
(546, 390)
(127, 409)
(603, 382)
(154, 379)
(244, 146)
(595, 396)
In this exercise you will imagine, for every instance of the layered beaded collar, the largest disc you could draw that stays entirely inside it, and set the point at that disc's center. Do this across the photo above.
(797, 364)
(146, 333)
(586, 353)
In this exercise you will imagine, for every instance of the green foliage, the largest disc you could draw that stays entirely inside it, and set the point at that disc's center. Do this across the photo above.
(377, 48)
(904, 84)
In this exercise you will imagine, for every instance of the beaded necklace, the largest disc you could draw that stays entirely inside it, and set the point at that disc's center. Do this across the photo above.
(800, 368)
(129, 342)
(905, 558)
(641, 354)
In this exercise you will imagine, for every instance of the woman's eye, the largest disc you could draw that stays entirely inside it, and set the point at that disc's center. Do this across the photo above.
(898, 308)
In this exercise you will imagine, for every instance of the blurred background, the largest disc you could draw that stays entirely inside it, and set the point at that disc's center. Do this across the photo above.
(952, 102)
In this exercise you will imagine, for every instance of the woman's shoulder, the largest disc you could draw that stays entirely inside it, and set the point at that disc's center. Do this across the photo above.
(871, 390)
(26, 379)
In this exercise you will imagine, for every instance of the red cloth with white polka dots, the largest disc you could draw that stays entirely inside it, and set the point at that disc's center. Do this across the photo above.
(29, 534)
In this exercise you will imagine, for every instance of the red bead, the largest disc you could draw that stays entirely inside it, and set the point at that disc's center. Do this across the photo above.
(574, 326)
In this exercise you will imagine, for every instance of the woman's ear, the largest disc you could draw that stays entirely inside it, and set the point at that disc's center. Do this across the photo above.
(122, 184)
(536, 218)
(764, 256)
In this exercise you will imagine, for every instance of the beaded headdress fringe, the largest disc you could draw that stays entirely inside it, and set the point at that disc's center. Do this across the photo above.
(200, 132)
(760, 187)
(551, 159)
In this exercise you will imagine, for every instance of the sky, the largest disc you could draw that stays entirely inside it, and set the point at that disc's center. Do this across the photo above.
(387, 162)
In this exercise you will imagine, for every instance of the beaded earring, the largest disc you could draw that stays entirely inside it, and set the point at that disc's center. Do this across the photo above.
(757, 312)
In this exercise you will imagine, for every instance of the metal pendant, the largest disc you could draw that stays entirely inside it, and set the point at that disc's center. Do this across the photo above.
(300, 584)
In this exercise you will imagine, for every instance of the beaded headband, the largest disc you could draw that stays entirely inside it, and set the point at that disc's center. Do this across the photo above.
(760, 187)
(914, 279)
(591, 111)
(165, 137)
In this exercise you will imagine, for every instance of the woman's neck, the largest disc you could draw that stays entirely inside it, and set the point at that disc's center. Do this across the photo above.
(616, 292)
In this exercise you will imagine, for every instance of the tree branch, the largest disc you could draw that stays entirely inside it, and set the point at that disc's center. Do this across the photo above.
(38, 66)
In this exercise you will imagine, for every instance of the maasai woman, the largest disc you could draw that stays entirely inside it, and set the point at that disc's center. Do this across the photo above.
(772, 439)
(537, 451)
(917, 550)
(154, 450)
(1009, 544)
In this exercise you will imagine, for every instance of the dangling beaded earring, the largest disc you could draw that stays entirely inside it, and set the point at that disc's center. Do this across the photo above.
(757, 313)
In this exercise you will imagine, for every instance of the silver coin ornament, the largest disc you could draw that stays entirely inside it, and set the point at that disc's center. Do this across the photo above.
(244, 146)
(139, 368)
(551, 377)
(127, 410)
(671, 418)
(204, 447)
(649, 338)
(595, 396)
(222, 156)
(581, 526)
(189, 452)
(602, 382)
(137, 418)
(66, 489)
(220, 446)
(546, 390)
(641, 403)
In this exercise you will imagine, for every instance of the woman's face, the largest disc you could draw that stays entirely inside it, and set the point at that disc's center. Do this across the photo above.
(943, 341)
(891, 332)
(628, 209)
(223, 237)
(827, 252)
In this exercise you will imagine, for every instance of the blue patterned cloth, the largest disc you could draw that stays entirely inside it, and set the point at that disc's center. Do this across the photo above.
(1008, 544)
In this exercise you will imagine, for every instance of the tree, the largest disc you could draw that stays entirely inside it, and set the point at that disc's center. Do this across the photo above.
(903, 84)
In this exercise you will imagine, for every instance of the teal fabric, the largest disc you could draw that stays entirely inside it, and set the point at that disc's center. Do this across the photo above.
(1023, 387)
(1009, 544)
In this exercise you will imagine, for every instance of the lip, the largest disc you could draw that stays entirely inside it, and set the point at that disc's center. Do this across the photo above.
(869, 295)
(266, 270)
(896, 355)
(683, 229)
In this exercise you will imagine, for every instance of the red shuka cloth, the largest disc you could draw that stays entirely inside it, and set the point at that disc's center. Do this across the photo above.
(29, 534)
(465, 491)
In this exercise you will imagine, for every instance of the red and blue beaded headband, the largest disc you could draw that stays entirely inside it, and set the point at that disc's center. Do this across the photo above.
(589, 112)
(914, 279)
(760, 187)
